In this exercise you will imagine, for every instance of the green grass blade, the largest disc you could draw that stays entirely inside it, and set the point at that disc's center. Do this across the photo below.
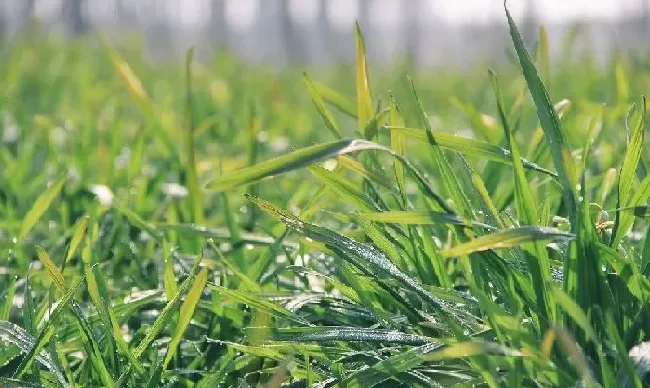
(77, 237)
(89, 339)
(138, 221)
(8, 303)
(52, 269)
(16, 335)
(575, 312)
(220, 234)
(526, 204)
(360, 255)
(469, 146)
(420, 217)
(262, 305)
(385, 369)
(364, 96)
(246, 282)
(322, 109)
(104, 309)
(186, 314)
(39, 208)
(285, 163)
(6, 382)
(169, 278)
(346, 334)
(166, 314)
(260, 266)
(141, 98)
(506, 238)
(634, 208)
(627, 174)
(372, 127)
(194, 198)
(343, 187)
(549, 120)
(490, 211)
(449, 178)
(382, 242)
(361, 297)
(622, 83)
(469, 349)
(366, 172)
(482, 124)
(336, 99)
(544, 57)
(398, 145)
(537, 258)
(47, 332)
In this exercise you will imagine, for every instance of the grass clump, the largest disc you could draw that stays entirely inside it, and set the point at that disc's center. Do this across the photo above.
(146, 247)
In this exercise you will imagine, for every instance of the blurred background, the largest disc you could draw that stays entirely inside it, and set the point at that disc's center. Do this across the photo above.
(318, 32)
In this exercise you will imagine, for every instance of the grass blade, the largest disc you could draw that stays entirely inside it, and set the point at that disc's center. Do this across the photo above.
(368, 173)
(105, 309)
(322, 109)
(364, 96)
(385, 369)
(420, 217)
(165, 315)
(627, 174)
(52, 269)
(39, 208)
(141, 98)
(575, 312)
(89, 339)
(336, 99)
(346, 334)
(343, 187)
(186, 314)
(48, 330)
(138, 221)
(77, 237)
(248, 299)
(289, 162)
(191, 230)
(16, 335)
(469, 146)
(537, 257)
(398, 145)
(549, 120)
(363, 256)
(448, 177)
(196, 205)
(469, 349)
(506, 238)
(544, 57)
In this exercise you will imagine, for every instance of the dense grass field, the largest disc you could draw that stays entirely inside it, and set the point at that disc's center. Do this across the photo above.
(213, 224)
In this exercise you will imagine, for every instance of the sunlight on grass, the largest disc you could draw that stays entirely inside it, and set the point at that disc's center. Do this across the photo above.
(216, 224)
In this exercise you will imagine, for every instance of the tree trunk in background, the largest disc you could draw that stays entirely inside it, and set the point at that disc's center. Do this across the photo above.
(364, 16)
(28, 10)
(291, 40)
(3, 18)
(412, 32)
(218, 27)
(646, 17)
(531, 24)
(74, 16)
(324, 35)
(120, 11)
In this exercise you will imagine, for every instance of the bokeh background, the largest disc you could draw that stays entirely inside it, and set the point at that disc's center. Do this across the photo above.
(279, 32)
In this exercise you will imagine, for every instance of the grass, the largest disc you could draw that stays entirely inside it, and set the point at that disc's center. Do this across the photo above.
(213, 224)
